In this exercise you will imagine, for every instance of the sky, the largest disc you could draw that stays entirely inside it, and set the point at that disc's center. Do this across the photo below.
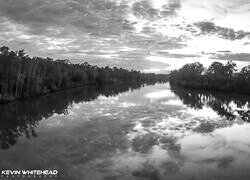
(147, 35)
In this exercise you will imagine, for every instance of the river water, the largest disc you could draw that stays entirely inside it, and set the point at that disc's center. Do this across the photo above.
(154, 132)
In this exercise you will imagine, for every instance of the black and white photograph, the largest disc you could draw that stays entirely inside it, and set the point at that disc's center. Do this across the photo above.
(124, 89)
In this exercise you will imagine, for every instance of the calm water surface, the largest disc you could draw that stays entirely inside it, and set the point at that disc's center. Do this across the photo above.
(121, 133)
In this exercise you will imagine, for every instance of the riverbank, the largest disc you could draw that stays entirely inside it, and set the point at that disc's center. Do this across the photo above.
(202, 87)
(9, 98)
(217, 77)
(4, 99)
(23, 77)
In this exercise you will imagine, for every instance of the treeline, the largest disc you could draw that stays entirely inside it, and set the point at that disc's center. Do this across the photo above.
(217, 76)
(22, 77)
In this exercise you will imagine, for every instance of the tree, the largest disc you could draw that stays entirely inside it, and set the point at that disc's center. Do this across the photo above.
(229, 70)
(4, 50)
(23, 77)
(216, 77)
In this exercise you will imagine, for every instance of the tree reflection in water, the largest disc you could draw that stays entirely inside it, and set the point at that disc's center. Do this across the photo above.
(22, 117)
(224, 104)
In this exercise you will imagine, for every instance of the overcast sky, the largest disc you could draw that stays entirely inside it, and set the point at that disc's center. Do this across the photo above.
(148, 35)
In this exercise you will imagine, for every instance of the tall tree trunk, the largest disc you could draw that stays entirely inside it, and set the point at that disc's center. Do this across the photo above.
(18, 79)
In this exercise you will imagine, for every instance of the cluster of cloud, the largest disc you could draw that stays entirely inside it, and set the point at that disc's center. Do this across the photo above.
(232, 56)
(227, 33)
(145, 9)
(122, 32)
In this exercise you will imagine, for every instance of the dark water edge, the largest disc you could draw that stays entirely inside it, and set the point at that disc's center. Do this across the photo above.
(5, 99)
(239, 92)
(22, 117)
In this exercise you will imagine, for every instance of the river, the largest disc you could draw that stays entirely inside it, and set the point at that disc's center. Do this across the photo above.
(153, 132)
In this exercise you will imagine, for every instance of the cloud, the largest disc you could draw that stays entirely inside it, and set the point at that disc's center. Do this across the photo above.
(222, 162)
(232, 56)
(171, 8)
(179, 56)
(226, 33)
(79, 19)
(124, 30)
(84, 15)
(145, 9)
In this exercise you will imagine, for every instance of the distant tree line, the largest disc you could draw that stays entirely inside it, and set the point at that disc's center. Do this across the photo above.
(22, 77)
(216, 77)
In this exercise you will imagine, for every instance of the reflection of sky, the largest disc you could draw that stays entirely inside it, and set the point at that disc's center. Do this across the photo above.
(160, 94)
(204, 112)
(144, 133)
(226, 150)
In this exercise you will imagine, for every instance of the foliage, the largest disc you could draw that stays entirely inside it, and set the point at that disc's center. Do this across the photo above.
(22, 77)
(216, 77)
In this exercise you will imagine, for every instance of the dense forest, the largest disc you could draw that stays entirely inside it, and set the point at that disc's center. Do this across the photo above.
(217, 76)
(22, 77)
